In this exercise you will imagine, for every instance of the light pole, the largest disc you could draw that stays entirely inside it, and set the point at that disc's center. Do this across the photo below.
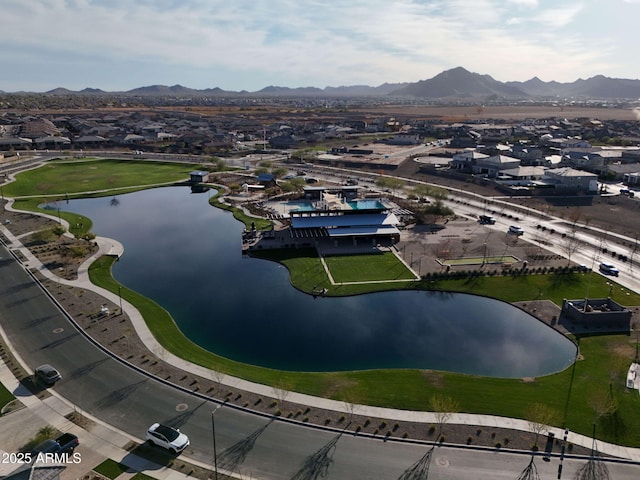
(213, 432)
(120, 297)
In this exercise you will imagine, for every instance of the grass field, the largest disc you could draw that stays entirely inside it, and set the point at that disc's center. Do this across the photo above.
(59, 179)
(374, 267)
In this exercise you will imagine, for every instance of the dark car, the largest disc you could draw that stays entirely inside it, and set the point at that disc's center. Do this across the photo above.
(47, 374)
(609, 269)
(67, 442)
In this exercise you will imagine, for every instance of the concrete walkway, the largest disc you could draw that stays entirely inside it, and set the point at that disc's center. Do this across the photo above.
(111, 247)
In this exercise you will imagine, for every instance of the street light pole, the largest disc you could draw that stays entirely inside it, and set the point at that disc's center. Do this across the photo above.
(120, 297)
(213, 432)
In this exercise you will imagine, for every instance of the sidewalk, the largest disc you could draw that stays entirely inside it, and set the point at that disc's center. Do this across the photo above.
(112, 247)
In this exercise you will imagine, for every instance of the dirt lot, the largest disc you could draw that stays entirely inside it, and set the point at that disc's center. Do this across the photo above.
(506, 112)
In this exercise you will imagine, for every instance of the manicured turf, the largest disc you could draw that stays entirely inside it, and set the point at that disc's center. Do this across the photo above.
(5, 396)
(110, 468)
(88, 175)
(372, 267)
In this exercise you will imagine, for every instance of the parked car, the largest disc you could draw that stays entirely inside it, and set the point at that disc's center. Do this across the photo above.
(516, 230)
(65, 443)
(609, 269)
(47, 374)
(167, 437)
(486, 220)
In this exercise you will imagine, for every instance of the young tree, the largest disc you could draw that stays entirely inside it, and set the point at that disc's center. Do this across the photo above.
(540, 417)
(443, 407)
(281, 391)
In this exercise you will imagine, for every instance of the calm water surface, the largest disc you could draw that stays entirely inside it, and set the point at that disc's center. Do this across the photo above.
(186, 255)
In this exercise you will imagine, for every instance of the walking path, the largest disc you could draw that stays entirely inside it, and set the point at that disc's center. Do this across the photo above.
(53, 410)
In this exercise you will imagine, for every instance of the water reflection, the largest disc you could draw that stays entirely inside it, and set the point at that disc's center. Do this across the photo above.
(186, 255)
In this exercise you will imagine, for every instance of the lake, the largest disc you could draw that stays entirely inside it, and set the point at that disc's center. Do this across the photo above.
(186, 255)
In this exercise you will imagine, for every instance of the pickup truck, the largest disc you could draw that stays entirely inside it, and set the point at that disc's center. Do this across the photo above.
(65, 443)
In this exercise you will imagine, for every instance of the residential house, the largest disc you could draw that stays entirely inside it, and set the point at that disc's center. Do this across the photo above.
(465, 161)
(492, 166)
(528, 154)
(9, 143)
(90, 141)
(570, 179)
(283, 142)
(632, 179)
(52, 142)
(583, 159)
(630, 155)
(522, 176)
(618, 171)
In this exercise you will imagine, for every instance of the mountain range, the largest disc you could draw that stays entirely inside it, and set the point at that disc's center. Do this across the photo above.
(456, 83)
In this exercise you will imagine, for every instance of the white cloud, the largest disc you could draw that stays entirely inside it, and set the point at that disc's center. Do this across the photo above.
(559, 16)
(526, 3)
(307, 42)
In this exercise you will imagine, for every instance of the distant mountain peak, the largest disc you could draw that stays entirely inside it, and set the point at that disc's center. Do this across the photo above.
(454, 83)
(459, 82)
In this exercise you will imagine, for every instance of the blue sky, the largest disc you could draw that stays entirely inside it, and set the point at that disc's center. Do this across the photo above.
(238, 45)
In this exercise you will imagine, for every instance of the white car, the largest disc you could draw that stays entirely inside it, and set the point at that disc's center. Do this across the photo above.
(516, 230)
(167, 437)
(47, 374)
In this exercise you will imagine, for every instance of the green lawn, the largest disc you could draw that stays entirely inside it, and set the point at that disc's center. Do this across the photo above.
(89, 175)
(111, 469)
(372, 267)
(5, 396)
